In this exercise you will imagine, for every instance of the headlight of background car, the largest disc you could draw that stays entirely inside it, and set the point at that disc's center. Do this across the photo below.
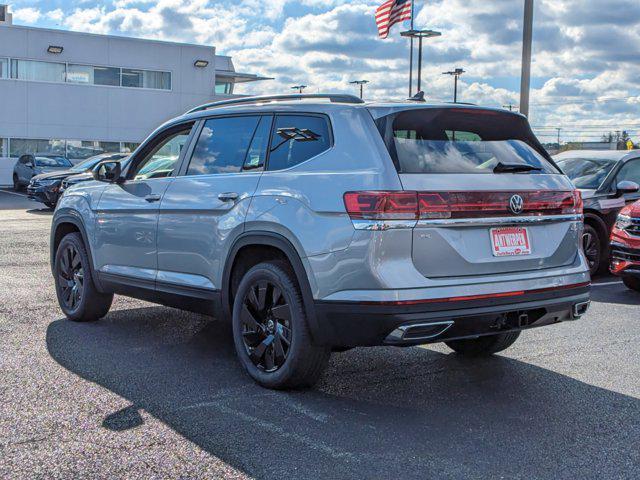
(623, 221)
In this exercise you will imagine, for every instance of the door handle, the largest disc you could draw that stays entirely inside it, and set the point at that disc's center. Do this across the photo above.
(152, 198)
(228, 196)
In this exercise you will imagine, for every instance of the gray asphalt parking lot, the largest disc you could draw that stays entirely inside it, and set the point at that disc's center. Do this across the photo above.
(152, 392)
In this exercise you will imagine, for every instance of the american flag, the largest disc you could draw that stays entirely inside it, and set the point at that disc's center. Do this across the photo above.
(390, 13)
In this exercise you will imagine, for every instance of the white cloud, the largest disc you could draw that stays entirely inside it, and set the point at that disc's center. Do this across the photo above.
(27, 15)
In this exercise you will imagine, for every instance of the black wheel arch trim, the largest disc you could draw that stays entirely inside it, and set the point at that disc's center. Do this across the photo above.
(69, 216)
(270, 239)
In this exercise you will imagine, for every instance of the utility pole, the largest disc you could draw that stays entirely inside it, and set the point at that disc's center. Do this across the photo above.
(558, 129)
(300, 88)
(361, 83)
(455, 74)
(511, 106)
(527, 38)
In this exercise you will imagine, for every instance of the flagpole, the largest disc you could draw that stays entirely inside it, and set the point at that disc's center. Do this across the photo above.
(411, 56)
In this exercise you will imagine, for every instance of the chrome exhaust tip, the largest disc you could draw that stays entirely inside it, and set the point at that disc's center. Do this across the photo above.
(579, 309)
(418, 331)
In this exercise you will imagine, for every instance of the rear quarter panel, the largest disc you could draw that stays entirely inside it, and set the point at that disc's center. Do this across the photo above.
(305, 203)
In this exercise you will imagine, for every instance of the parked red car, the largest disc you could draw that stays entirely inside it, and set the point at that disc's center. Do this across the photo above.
(625, 246)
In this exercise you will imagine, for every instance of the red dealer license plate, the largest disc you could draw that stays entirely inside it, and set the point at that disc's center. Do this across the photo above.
(510, 241)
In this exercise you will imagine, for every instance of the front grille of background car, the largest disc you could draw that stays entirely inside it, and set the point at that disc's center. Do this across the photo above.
(634, 228)
(618, 252)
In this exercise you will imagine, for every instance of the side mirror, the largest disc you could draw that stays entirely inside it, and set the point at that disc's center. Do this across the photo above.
(625, 187)
(108, 171)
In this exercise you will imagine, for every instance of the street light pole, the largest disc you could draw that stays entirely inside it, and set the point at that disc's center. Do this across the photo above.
(300, 88)
(527, 38)
(455, 73)
(361, 83)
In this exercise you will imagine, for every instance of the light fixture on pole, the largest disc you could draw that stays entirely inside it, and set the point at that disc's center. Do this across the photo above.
(300, 88)
(455, 74)
(420, 35)
(361, 83)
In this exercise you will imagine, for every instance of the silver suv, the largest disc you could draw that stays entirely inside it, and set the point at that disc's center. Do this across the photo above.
(317, 223)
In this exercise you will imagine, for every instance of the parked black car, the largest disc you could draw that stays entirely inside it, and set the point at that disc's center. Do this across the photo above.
(72, 180)
(46, 187)
(608, 180)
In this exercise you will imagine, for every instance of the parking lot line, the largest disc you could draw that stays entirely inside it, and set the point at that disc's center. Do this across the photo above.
(605, 284)
(13, 193)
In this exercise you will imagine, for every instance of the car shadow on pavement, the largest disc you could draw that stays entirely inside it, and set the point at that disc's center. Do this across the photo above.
(41, 211)
(616, 293)
(377, 413)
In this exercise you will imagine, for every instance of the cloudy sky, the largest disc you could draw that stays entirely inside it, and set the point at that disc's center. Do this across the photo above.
(586, 67)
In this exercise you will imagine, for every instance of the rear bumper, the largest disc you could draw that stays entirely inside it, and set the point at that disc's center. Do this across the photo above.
(349, 324)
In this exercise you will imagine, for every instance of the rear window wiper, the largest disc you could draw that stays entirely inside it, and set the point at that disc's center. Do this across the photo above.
(514, 168)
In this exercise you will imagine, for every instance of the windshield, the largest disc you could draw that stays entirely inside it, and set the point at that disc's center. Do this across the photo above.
(459, 140)
(91, 162)
(52, 162)
(587, 173)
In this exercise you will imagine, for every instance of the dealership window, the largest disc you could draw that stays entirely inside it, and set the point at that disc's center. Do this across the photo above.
(3, 142)
(224, 88)
(38, 71)
(146, 79)
(93, 75)
(4, 68)
(81, 149)
(20, 146)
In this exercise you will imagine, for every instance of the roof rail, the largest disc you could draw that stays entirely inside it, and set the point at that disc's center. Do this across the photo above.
(335, 98)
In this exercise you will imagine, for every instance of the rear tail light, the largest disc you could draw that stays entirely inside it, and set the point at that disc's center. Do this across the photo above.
(382, 205)
(406, 205)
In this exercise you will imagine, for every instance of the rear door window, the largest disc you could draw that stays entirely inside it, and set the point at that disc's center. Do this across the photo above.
(296, 139)
(462, 141)
(225, 143)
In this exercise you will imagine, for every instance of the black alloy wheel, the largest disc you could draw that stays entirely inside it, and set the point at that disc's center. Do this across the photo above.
(266, 326)
(592, 248)
(70, 277)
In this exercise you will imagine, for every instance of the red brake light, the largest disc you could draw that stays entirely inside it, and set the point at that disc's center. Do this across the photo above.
(382, 205)
(405, 205)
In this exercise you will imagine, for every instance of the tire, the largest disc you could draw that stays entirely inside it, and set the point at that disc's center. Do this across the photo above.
(16, 183)
(270, 330)
(593, 248)
(78, 297)
(483, 346)
(632, 283)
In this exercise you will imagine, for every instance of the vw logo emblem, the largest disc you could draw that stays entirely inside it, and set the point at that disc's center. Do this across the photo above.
(516, 204)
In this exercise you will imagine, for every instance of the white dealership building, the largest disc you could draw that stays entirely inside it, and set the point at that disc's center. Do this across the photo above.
(80, 94)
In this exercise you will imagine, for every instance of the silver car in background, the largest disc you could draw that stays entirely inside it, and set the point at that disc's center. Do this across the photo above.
(317, 223)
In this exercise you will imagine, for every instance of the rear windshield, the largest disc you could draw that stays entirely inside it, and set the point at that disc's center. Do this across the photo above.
(457, 140)
(587, 173)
